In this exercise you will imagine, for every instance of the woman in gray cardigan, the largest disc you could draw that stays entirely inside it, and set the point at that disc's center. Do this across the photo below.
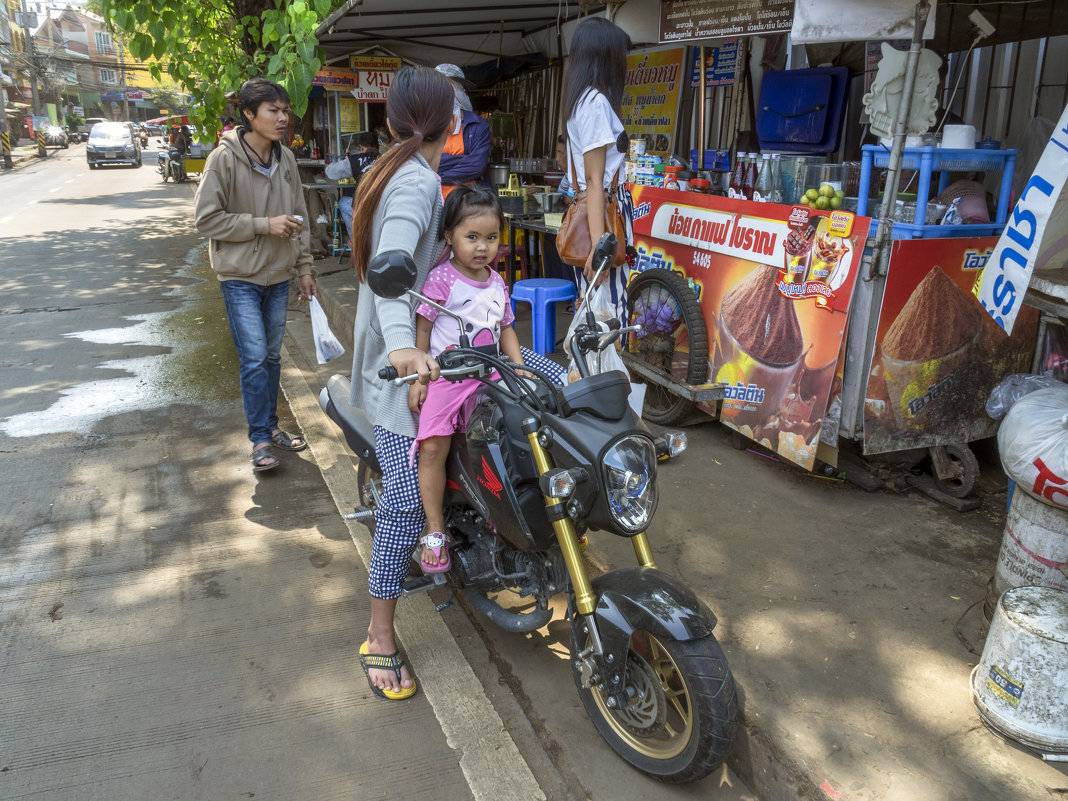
(401, 197)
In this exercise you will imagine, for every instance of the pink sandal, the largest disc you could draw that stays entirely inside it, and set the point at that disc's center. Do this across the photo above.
(438, 544)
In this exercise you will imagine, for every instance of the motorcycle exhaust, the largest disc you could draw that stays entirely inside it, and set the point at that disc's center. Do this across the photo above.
(509, 621)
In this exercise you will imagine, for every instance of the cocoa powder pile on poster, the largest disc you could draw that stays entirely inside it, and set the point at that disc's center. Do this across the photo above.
(937, 319)
(762, 319)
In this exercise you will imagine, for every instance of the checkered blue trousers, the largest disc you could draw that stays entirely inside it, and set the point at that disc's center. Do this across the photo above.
(399, 518)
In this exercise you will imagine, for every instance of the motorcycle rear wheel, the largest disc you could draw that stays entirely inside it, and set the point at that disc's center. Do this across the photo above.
(681, 721)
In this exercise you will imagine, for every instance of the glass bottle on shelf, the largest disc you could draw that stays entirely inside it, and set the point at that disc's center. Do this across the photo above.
(751, 170)
(762, 188)
(776, 178)
(734, 188)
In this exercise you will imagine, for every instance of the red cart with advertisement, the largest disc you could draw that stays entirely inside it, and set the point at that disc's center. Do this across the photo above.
(747, 299)
(763, 316)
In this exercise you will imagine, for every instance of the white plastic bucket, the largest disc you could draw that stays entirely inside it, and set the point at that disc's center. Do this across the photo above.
(1018, 687)
(1034, 550)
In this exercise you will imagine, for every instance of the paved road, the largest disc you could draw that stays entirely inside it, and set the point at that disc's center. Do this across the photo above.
(170, 626)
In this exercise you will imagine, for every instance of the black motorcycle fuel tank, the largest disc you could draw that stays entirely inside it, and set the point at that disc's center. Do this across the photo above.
(494, 461)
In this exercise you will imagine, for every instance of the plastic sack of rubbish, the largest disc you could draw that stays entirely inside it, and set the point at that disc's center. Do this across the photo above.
(327, 346)
(1033, 441)
(1014, 387)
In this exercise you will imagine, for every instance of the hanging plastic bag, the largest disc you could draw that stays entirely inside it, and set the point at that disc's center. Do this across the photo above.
(1014, 387)
(599, 301)
(327, 346)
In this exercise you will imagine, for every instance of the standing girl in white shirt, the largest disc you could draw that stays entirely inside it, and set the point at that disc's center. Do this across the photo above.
(596, 141)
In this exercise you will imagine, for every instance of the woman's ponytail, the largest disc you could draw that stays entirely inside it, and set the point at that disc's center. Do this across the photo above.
(419, 109)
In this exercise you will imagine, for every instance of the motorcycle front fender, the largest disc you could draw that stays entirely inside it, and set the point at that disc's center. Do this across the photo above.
(644, 598)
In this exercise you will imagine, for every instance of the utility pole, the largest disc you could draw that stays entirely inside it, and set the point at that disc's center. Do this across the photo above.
(122, 74)
(32, 55)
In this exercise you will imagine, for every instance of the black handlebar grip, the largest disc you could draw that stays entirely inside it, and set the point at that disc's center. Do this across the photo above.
(614, 324)
(387, 373)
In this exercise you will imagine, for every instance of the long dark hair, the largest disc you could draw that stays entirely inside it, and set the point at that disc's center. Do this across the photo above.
(467, 201)
(419, 107)
(598, 59)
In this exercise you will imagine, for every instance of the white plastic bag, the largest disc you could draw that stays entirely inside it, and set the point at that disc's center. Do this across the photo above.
(600, 303)
(1033, 441)
(327, 346)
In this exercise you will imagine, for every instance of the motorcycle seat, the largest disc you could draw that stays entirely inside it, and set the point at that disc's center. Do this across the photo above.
(353, 422)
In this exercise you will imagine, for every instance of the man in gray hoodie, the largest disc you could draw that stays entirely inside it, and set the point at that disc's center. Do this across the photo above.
(251, 205)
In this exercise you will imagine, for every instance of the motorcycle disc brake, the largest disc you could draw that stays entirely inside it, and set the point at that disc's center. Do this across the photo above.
(646, 713)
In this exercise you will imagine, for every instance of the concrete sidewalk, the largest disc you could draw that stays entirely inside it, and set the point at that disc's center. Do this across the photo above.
(851, 620)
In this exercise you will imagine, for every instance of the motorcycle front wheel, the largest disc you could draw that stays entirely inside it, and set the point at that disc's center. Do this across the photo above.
(683, 712)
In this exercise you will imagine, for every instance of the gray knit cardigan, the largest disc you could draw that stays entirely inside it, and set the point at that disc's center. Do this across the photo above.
(407, 219)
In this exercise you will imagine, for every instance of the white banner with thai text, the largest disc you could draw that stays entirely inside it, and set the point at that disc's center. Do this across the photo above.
(1003, 282)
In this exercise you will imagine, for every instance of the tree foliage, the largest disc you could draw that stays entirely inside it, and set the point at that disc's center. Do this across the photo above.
(210, 47)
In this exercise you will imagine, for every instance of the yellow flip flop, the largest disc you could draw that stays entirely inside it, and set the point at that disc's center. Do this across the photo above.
(394, 662)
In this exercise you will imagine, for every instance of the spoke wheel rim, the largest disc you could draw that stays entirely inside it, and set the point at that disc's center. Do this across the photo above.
(658, 722)
(665, 338)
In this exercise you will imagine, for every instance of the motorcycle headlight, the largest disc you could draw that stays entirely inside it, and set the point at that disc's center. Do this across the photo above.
(630, 483)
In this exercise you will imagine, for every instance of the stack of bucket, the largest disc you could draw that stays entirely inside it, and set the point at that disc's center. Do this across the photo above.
(1018, 687)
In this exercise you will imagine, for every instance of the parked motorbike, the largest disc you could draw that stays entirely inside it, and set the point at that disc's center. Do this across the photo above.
(538, 467)
(171, 164)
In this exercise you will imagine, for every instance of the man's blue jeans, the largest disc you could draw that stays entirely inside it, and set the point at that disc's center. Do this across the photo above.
(344, 205)
(257, 317)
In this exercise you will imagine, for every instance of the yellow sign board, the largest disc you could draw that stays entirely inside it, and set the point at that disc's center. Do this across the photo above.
(651, 97)
(374, 62)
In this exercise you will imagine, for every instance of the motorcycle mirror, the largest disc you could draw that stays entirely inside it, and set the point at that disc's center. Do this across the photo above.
(602, 257)
(391, 274)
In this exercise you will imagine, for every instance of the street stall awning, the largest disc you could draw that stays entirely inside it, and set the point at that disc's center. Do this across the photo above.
(430, 33)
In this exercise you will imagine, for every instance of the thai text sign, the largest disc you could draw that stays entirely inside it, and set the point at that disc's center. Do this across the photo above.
(690, 20)
(1002, 284)
(651, 97)
(375, 62)
(339, 80)
(721, 63)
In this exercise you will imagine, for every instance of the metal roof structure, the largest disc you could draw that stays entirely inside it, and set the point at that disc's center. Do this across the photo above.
(429, 32)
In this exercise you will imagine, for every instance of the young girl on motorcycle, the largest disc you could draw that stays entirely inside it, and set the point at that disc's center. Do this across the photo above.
(465, 282)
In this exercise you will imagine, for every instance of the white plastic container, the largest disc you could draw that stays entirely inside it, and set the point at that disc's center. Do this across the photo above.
(958, 137)
(1018, 687)
(1034, 550)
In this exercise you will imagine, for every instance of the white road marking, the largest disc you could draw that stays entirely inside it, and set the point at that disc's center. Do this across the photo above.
(4, 220)
(54, 189)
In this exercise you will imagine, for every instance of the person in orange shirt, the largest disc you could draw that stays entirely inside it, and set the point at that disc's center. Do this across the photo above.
(467, 150)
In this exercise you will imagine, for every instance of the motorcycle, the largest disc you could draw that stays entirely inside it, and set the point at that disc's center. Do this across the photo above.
(143, 136)
(538, 467)
(171, 165)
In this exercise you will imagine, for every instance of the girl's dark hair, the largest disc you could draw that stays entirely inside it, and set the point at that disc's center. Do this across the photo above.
(419, 107)
(598, 59)
(467, 201)
(255, 92)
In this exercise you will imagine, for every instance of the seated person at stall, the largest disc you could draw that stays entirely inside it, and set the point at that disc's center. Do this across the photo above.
(353, 165)
(467, 150)
(183, 140)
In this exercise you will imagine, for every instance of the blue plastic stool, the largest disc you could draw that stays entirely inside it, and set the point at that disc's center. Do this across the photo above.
(542, 294)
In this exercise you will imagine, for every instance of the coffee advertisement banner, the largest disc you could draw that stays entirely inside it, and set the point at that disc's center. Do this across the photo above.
(774, 284)
(651, 97)
(692, 20)
(937, 354)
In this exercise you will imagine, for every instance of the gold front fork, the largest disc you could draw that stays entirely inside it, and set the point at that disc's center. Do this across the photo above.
(642, 550)
(585, 600)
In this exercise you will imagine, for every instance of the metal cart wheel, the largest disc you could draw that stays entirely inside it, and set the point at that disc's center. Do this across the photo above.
(956, 470)
(673, 341)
